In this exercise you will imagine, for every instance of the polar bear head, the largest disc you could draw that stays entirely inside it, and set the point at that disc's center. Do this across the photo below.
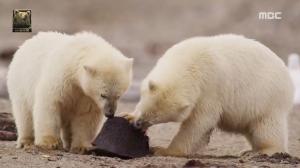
(161, 103)
(105, 78)
(21, 18)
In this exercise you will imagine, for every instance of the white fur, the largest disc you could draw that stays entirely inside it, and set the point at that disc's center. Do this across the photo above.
(225, 81)
(294, 69)
(55, 83)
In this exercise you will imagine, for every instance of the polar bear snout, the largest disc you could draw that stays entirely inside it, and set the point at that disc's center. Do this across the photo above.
(141, 124)
(138, 124)
(110, 108)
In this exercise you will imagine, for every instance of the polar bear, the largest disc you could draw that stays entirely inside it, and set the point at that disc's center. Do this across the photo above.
(225, 81)
(61, 85)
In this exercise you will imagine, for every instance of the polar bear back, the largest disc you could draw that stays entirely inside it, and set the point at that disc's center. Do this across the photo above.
(246, 77)
(28, 62)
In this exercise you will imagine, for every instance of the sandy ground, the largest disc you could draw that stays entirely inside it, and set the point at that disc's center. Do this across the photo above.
(223, 150)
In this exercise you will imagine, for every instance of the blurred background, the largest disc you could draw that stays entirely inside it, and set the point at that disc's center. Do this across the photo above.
(145, 29)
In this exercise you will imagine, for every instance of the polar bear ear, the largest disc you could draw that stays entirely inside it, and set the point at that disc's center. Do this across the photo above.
(152, 86)
(89, 69)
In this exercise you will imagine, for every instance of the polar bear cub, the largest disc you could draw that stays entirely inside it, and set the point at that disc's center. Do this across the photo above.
(225, 81)
(61, 85)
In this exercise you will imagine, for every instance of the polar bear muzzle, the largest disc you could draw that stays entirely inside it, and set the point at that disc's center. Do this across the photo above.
(141, 124)
(110, 107)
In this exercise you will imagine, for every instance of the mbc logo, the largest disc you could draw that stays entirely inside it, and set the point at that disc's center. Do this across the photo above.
(269, 15)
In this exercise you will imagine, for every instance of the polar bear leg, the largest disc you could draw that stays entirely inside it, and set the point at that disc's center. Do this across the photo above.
(194, 132)
(269, 135)
(24, 124)
(66, 135)
(84, 129)
(47, 122)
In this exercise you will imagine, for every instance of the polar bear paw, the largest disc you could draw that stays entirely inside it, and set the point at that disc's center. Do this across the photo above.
(128, 116)
(80, 149)
(159, 151)
(25, 142)
(49, 142)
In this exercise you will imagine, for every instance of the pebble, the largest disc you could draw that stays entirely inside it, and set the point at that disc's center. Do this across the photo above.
(45, 156)
(52, 159)
(264, 166)
(14, 157)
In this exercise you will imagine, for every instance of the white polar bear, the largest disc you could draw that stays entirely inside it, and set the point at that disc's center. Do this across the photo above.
(62, 83)
(294, 69)
(225, 81)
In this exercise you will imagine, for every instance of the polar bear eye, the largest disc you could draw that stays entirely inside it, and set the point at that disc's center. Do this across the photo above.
(103, 96)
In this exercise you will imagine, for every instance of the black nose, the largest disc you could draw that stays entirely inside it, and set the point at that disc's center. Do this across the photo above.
(110, 115)
(109, 111)
(138, 124)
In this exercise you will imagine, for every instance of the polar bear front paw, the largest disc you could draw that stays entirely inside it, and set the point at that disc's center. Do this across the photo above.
(128, 116)
(159, 151)
(25, 142)
(80, 149)
(49, 142)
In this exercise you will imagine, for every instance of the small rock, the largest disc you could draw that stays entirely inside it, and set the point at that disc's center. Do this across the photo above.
(14, 157)
(6, 120)
(284, 162)
(32, 150)
(52, 159)
(198, 163)
(194, 163)
(264, 166)
(278, 158)
(45, 156)
(8, 136)
(241, 161)
(149, 166)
